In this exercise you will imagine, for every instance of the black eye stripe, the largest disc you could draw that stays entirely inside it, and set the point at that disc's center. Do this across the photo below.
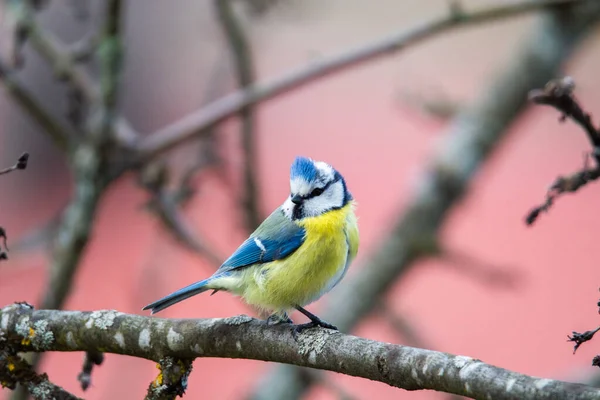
(316, 192)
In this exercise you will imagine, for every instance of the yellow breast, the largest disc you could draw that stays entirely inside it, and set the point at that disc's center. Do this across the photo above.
(331, 239)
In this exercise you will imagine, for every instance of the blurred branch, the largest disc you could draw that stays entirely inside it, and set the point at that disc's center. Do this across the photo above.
(401, 325)
(339, 391)
(20, 164)
(91, 359)
(194, 124)
(90, 165)
(50, 48)
(438, 106)
(239, 48)
(558, 93)
(481, 271)
(165, 205)
(61, 135)
(468, 141)
(177, 342)
(64, 63)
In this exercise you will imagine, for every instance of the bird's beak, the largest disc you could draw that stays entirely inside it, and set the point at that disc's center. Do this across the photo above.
(297, 199)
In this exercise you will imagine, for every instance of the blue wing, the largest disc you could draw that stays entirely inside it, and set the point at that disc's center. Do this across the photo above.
(276, 238)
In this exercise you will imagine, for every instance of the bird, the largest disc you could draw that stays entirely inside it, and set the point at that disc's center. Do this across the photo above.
(300, 252)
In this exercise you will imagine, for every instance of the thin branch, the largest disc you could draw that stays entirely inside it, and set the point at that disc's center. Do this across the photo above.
(64, 63)
(165, 206)
(194, 124)
(20, 164)
(89, 163)
(401, 325)
(558, 93)
(243, 337)
(15, 370)
(481, 271)
(51, 49)
(241, 53)
(462, 150)
(580, 338)
(61, 135)
(85, 376)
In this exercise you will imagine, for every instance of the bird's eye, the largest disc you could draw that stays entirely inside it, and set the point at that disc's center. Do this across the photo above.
(316, 192)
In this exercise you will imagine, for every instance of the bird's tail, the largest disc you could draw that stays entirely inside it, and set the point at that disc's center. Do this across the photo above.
(181, 294)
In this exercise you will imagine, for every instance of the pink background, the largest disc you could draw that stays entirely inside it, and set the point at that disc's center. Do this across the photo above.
(357, 121)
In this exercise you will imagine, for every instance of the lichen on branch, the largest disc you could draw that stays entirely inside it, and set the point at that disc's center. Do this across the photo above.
(175, 343)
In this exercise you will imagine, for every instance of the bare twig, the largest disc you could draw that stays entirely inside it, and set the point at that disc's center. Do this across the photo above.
(580, 338)
(61, 135)
(165, 204)
(50, 48)
(89, 162)
(15, 370)
(194, 124)
(244, 337)
(467, 142)
(64, 62)
(85, 376)
(558, 93)
(241, 53)
(401, 325)
(483, 272)
(20, 164)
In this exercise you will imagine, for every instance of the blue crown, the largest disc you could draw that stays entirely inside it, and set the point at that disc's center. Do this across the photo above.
(304, 168)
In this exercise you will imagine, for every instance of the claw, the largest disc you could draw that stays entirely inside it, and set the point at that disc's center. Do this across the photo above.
(297, 329)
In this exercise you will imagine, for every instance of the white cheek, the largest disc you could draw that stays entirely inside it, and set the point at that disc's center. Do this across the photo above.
(288, 208)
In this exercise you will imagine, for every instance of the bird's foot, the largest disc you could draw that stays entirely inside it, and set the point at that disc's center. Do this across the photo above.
(276, 319)
(297, 329)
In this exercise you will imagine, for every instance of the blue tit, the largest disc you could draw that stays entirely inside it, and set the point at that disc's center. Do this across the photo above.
(299, 253)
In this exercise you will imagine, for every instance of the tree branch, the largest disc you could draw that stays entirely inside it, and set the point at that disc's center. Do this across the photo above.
(13, 370)
(239, 48)
(558, 93)
(61, 135)
(194, 124)
(243, 337)
(89, 162)
(20, 164)
(468, 141)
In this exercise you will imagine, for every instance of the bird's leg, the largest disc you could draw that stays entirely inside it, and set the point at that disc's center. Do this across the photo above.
(314, 321)
(279, 318)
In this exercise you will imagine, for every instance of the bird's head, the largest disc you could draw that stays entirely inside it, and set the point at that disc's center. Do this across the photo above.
(315, 188)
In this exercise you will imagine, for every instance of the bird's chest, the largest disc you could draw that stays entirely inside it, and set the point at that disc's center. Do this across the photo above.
(312, 269)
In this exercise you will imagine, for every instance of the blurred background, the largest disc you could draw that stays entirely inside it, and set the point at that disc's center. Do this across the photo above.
(505, 293)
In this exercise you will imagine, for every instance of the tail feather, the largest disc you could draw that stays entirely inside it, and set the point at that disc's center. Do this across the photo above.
(179, 295)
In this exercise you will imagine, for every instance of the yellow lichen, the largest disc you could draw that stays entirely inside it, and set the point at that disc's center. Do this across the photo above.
(11, 366)
(27, 341)
(158, 381)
